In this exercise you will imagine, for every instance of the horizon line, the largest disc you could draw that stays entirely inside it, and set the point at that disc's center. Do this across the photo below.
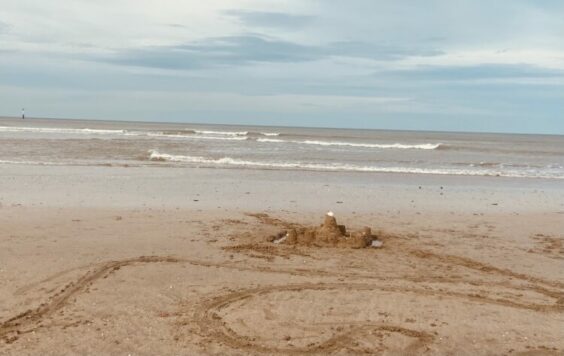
(281, 126)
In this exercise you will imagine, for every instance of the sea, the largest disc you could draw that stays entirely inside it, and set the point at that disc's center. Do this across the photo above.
(159, 145)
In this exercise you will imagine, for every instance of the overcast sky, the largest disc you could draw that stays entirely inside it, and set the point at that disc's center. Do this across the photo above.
(471, 65)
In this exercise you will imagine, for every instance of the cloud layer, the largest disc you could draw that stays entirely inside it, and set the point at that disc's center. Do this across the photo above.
(438, 65)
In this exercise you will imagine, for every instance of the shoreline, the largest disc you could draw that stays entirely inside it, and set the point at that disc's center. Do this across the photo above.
(171, 164)
(42, 185)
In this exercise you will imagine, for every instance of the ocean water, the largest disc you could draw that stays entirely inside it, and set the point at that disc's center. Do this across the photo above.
(130, 144)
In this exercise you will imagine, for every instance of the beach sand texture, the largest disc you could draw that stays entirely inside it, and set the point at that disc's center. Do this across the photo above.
(102, 260)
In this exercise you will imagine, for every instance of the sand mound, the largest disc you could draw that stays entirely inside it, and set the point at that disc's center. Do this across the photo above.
(328, 234)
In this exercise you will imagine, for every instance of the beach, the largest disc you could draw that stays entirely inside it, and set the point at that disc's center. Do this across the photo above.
(144, 260)
(229, 178)
(107, 250)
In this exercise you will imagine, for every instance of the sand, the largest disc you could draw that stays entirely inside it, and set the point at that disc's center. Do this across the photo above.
(328, 234)
(144, 261)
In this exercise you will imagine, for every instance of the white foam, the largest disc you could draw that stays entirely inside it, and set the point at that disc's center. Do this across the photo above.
(424, 146)
(61, 130)
(195, 137)
(213, 135)
(203, 135)
(235, 133)
(226, 133)
(156, 156)
(228, 161)
(32, 163)
(273, 140)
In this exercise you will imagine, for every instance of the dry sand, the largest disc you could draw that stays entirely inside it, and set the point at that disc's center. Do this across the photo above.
(177, 261)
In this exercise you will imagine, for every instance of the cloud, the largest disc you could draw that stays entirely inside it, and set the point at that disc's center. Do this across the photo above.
(222, 51)
(289, 61)
(476, 72)
(270, 19)
(4, 27)
(249, 49)
(544, 58)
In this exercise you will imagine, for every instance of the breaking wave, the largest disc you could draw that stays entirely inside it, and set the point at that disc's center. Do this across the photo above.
(234, 136)
(180, 133)
(154, 155)
(31, 163)
(424, 146)
(61, 130)
(236, 133)
(264, 137)
(197, 137)
(225, 133)
(259, 134)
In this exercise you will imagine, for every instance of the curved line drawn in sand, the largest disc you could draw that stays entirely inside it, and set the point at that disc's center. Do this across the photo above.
(211, 325)
(481, 267)
(548, 246)
(28, 287)
(33, 319)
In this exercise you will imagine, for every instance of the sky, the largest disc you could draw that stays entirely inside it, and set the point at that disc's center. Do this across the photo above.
(449, 65)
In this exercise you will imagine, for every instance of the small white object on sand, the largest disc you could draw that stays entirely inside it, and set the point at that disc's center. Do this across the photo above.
(330, 213)
(376, 244)
(282, 239)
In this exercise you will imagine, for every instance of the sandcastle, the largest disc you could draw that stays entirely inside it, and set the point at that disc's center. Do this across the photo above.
(329, 234)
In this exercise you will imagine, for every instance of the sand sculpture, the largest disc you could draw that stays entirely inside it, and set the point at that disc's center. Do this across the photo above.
(329, 234)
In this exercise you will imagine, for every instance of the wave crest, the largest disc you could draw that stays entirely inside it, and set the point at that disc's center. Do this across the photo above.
(60, 130)
(223, 133)
(265, 137)
(154, 155)
(423, 146)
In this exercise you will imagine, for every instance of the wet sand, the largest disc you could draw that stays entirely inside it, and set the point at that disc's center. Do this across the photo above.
(140, 261)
